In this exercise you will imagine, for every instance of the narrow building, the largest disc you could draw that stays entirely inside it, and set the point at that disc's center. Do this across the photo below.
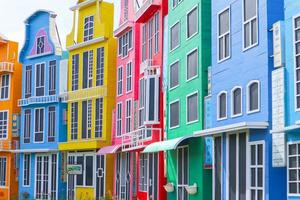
(91, 98)
(10, 92)
(43, 126)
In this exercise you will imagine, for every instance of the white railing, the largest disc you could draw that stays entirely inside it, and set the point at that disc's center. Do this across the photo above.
(38, 100)
(145, 65)
(82, 94)
(137, 138)
(6, 145)
(6, 67)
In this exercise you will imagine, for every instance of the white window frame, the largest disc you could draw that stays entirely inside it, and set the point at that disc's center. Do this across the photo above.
(75, 76)
(172, 102)
(100, 113)
(28, 82)
(52, 73)
(218, 105)
(156, 32)
(223, 35)
(145, 183)
(6, 87)
(51, 121)
(129, 77)
(42, 50)
(120, 81)
(187, 61)
(142, 99)
(187, 20)
(288, 167)
(89, 28)
(176, 61)
(248, 97)
(150, 30)
(119, 120)
(74, 125)
(90, 68)
(249, 21)
(29, 169)
(7, 124)
(179, 36)
(295, 63)
(4, 169)
(29, 125)
(43, 131)
(177, 2)
(186, 101)
(232, 101)
(144, 35)
(128, 116)
(35, 77)
(89, 111)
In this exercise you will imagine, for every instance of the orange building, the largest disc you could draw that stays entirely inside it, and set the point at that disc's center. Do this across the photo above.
(10, 92)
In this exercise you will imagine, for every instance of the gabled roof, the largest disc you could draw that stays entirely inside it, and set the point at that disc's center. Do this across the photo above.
(37, 12)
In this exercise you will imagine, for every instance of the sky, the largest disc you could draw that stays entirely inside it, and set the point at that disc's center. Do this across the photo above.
(13, 13)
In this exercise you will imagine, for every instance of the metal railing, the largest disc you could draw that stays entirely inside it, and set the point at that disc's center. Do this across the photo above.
(82, 94)
(38, 100)
(6, 67)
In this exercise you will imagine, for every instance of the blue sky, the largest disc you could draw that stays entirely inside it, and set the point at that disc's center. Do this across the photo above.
(14, 12)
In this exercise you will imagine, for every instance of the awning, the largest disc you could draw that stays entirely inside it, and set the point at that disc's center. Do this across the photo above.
(165, 145)
(232, 127)
(109, 149)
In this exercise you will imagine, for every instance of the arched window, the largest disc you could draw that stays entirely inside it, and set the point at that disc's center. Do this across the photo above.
(253, 96)
(236, 101)
(222, 105)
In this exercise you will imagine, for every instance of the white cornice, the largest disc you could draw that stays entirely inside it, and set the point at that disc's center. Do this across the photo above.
(83, 44)
(83, 4)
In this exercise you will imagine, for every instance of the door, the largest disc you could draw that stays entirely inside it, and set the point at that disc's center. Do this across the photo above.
(100, 176)
(182, 173)
(71, 180)
(123, 176)
(153, 176)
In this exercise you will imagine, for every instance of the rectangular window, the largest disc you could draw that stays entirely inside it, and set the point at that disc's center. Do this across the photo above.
(192, 108)
(52, 77)
(120, 81)
(152, 98)
(119, 119)
(142, 102)
(176, 2)
(87, 178)
(26, 170)
(175, 36)
(143, 179)
(3, 171)
(40, 45)
(86, 119)
(4, 86)
(174, 75)
(39, 125)
(99, 118)
(27, 126)
(88, 28)
(192, 65)
(87, 74)
(40, 80)
(125, 43)
(125, 9)
(182, 174)
(51, 124)
(150, 38)
(74, 121)
(293, 169)
(174, 114)
(75, 71)
(3, 124)
(156, 32)
(224, 35)
(257, 171)
(129, 77)
(250, 23)
(28, 81)
(297, 60)
(128, 115)
(100, 67)
(144, 42)
(217, 168)
(192, 22)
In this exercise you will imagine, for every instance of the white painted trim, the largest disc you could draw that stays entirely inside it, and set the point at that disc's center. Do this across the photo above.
(232, 101)
(295, 63)
(121, 104)
(83, 4)
(218, 106)
(186, 104)
(187, 14)
(131, 76)
(35, 77)
(171, 64)
(9, 86)
(87, 43)
(186, 69)
(220, 36)
(169, 121)
(121, 80)
(248, 97)
(179, 36)
(28, 168)
(7, 124)
(130, 116)
(34, 141)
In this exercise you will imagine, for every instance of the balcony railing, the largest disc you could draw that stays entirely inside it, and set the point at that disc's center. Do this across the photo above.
(38, 100)
(6, 67)
(146, 10)
(7, 145)
(123, 28)
(87, 93)
(137, 138)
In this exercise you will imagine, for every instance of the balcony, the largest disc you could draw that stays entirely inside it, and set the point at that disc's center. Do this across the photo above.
(6, 67)
(147, 10)
(7, 145)
(149, 68)
(87, 93)
(123, 28)
(139, 138)
(38, 100)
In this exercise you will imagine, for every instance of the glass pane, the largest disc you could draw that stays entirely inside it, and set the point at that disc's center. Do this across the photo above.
(253, 177)
(237, 101)
(292, 175)
(224, 22)
(297, 35)
(227, 40)
(293, 188)
(192, 22)
(249, 9)
(292, 149)
(298, 47)
(297, 22)
(89, 171)
(260, 154)
(253, 96)
(242, 166)
(259, 195)
(254, 31)
(192, 64)
(174, 36)
(174, 78)
(259, 177)
(192, 108)
(217, 167)
(80, 177)
(247, 35)
(293, 162)
(174, 114)
(221, 47)
(253, 195)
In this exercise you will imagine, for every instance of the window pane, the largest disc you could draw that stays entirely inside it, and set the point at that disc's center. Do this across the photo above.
(254, 31)
(293, 188)
(249, 9)
(232, 167)
(192, 109)
(253, 96)
(224, 22)
(174, 114)
(293, 175)
(89, 171)
(174, 36)
(237, 101)
(247, 34)
(242, 166)
(174, 76)
(218, 167)
(192, 64)
(222, 105)
(192, 22)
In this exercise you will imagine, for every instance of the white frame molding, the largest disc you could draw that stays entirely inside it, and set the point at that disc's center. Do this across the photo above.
(121, 120)
(35, 76)
(195, 7)
(7, 124)
(169, 121)
(179, 36)
(130, 115)
(295, 63)
(84, 36)
(121, 80)
(29, 171)
(173, 63)
(223, 35)
(9, 87)
(248, 97)
(186, 102)
(218, 105)
(131, 76)
(186, 69)
(232, 101)
(34, 118)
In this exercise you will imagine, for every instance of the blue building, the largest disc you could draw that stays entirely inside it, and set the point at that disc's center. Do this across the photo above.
(43, 126)
(238, 109)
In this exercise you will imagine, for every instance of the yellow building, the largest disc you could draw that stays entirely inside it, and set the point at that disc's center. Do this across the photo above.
(91, 98)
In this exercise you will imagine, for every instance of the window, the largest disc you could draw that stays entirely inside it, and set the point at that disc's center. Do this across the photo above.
(156, 32)
(175, 36)
(27, 126)
(125, 43)
(141, 102)
(218, 168)
(119, 119)
(150, 38)
(86, 119)
(4, 86)
(126, 9)
(75, 71)
(174, 75)
(51, 124)
(87, 75)
(250, 23)
(253, 97)
(192, 22)
(176, 2)
(87, 178)
(26, 170)
(52, 77)
(152, 99)
(99, 118)
(257, 171)
(174, 114)
(143, 179)
(236, 96)
(192, 64)
(222, 105)
(129, 77)
(128, 116)
(297, 60)
(144, 43)
(74, 121)
(40, 80)
(40, 45)
(3, 124)
(293, 168)
(192, 108)
(88, 28)
(224, 35)
(182, 173)
(39, 125)
(100, 67)
(120, 81)
(3, 171)
(28, 81)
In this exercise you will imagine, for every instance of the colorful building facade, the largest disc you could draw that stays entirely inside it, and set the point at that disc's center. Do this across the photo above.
(43, 125)
(91, 98)
(239, 107)
(10, 92)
